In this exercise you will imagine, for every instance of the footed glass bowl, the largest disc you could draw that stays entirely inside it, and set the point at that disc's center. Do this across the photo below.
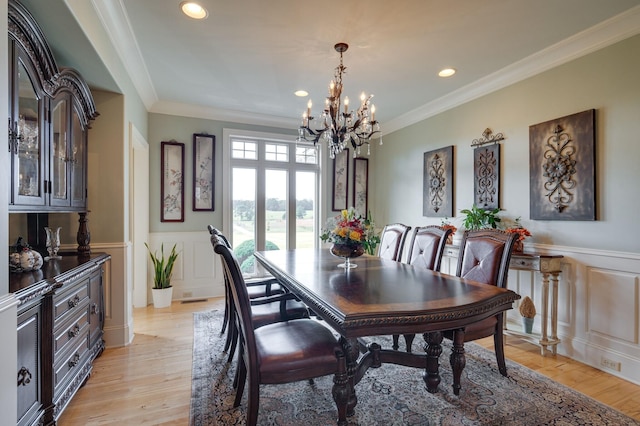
(347, 252)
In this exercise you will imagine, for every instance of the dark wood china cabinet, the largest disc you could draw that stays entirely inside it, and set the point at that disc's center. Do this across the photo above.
(60, 311)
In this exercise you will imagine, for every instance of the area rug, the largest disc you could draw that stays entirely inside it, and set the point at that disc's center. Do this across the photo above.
(392, 395)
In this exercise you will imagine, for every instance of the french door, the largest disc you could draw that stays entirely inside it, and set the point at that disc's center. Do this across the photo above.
(273, 190)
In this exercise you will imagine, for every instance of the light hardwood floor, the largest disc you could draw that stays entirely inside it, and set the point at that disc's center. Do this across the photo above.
(149, 381)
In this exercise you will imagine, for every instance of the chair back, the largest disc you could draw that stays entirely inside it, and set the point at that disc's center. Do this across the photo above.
(485, 255)
(216, 231)
(392, 241)
(427, 246)
(240, 298)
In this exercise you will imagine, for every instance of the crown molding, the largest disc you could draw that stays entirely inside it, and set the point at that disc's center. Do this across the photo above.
(606, 33)
(220, 114)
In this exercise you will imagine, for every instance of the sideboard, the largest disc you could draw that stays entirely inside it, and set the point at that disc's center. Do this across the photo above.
(60, 329)
(549, 266)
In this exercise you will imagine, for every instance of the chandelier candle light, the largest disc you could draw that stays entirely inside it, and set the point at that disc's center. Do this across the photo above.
(338, 126)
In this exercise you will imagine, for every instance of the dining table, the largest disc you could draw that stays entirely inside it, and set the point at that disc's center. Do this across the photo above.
(381, 297)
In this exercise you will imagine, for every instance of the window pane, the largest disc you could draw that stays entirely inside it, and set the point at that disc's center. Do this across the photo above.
(275, 152)
(305, 208)
(242, 149)
(244, 215)
(307, 155)
(276, 206)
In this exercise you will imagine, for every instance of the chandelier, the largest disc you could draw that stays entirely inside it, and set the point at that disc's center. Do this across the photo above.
(338, 126)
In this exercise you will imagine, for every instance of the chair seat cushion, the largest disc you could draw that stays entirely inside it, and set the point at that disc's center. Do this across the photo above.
(270, 312)
(295, 350)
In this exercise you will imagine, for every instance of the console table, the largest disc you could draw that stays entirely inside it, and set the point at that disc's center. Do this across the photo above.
(550, 268)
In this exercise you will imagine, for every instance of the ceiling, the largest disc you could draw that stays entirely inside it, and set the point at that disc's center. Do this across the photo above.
(249, 56)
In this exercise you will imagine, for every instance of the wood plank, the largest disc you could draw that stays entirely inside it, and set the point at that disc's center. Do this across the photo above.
(149, 381)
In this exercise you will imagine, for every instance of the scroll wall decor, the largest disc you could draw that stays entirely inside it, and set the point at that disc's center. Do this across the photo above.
(437, 189)
(486, 170)
(171, 181)
(562, 168)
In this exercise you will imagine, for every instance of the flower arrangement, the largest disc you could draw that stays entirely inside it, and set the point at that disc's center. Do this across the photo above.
(448, 225)
(519, 229)
(522, 234)
(349, 228)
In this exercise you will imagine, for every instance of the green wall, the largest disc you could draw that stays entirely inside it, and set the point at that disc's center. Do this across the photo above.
(607, 80)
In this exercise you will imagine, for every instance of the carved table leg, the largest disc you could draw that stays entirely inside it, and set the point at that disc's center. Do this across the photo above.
(457, 359)
(433, 348)
(544, 341)
(351, 350)
(554, 311)
(340, 390)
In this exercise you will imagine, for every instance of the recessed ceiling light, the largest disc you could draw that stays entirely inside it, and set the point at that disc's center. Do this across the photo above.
(301, 93)
(447, 72)
(193, 10)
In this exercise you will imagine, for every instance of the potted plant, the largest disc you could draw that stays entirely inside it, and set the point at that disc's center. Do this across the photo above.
(162, 291)
(528, 312)
(479, 218)
(522, 232)
(446, 224)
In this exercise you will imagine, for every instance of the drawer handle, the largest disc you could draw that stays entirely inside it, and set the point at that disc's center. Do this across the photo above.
(24, 376)
(74, 361)
(94, 309)
(74, 332)
(74, 302)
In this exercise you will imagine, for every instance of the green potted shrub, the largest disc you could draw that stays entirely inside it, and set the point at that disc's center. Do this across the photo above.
(478, 218)
(162, 291)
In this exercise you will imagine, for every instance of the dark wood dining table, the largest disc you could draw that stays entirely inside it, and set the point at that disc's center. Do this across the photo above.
(383, 297)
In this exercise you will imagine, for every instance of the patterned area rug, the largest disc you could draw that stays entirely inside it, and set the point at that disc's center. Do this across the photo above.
(392, 395)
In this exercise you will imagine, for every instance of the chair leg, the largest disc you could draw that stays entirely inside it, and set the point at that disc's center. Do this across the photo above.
(395, 346)
(234, 341)
(225, 321)
(242, 377)
(498, 343)
(253, 401)
(408, 340)
(236, 378)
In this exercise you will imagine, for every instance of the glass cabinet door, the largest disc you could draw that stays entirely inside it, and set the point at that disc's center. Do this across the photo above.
(59, 151)
(27, 141)
(78, 161)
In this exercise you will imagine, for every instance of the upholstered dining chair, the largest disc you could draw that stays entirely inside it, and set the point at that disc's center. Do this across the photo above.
(425, 251)
(270, 304)
(484, 256)
(392, 241)
(281, 352)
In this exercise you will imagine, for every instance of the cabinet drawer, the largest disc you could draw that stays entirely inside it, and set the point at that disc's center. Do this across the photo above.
(70, 362)
(70, 331)
(527, 263)
(66, 301)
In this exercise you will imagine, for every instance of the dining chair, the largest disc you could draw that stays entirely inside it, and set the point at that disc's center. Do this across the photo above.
(484, 256)
(425, 251)
(392, 241)
(281, 352)
(271, 304)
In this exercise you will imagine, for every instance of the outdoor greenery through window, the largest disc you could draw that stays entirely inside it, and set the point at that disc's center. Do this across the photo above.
(274, 196)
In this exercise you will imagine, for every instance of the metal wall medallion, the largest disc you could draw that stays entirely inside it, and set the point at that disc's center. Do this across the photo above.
(486, 169)
(437, 195)
(562, 168)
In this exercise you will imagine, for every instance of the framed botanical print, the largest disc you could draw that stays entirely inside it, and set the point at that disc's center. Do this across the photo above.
(340, 181)
(171, 181)
(361, 185)
(437, 183)
(562, 171)
(204, 147)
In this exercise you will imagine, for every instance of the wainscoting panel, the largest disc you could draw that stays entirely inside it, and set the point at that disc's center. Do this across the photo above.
(598, 306)
(613, 304)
